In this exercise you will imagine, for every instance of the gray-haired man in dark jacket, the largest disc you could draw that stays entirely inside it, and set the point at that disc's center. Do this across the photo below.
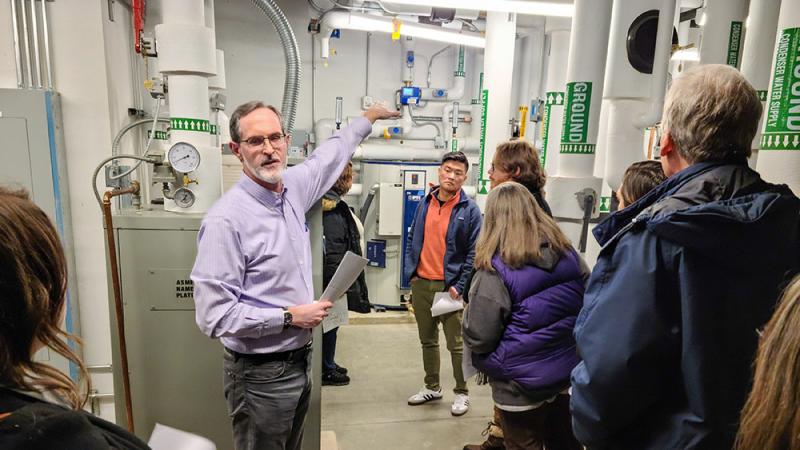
(686, 277)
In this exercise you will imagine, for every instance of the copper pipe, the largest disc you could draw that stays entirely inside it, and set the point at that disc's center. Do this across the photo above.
(112, 258)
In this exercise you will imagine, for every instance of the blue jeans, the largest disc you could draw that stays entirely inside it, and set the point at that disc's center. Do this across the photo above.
(267, 401)
(329, 350)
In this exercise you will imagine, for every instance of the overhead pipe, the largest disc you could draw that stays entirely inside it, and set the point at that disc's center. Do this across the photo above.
(456, 90)
(759, 40)
(117, 290)
(17, 54)
(291, 84)
(368, 151)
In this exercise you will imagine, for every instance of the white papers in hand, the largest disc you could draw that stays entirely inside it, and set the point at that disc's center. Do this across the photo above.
(345, 275)
(443, 304)
(467, 368)
(168, 438)
(337, 315)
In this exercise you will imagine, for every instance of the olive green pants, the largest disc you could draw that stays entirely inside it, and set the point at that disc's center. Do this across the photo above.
(422, 292)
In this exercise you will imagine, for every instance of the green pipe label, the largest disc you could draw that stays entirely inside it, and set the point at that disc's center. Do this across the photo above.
(550, 99)
(734, 44)
(605, 204)
(161, 135)
(454, 145)
(181, 123)
(212, 129)
(782, 121)
(460, 71)
(576, 118)
(482, 182)
(762, 95)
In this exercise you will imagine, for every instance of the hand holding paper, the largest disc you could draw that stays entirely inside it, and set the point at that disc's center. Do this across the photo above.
(347, 272)
(443, 303)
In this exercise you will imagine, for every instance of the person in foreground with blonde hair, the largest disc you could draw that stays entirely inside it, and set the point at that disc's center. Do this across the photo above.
(771, 416)
(524, 299)
(685, 276)
(40, 407)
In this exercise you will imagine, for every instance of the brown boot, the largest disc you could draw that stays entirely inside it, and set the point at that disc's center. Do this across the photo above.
(491, 442)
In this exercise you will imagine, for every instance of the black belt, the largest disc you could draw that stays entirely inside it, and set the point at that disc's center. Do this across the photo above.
(289, 355)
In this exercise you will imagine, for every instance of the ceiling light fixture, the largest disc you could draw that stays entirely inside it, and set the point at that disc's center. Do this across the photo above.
(536, 8)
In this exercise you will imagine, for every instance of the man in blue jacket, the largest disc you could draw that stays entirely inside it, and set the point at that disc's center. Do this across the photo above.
(438, 258)
(686, 277)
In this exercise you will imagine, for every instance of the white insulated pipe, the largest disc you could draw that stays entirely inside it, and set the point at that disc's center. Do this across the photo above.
(456, 90)
(498, 68)
(779, 157)
(187, 57)
(759, 41)
(390, 152)
(635, 99)
(553, 113)
(722, 32)
(584, 87)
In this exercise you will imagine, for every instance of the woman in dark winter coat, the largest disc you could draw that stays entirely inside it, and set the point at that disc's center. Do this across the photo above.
(524, 300)
(342, 231)
(40, 407)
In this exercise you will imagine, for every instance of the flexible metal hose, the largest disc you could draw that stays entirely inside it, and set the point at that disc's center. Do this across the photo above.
(291, 85)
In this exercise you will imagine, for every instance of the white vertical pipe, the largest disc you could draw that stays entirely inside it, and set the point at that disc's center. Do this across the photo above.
(46, 33)
(498, 67)
(554, 109)
(585, 71)
(720, 16)
(759, 41)
(26, 36)
(37, 60)
(779, 157)
(17, 54)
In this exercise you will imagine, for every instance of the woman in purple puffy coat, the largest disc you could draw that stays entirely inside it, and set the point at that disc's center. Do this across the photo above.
(524, 300)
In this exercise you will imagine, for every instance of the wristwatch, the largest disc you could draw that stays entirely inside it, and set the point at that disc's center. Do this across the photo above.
(287, 319)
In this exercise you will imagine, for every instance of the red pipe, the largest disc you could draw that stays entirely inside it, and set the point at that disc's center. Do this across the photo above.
(138, 23)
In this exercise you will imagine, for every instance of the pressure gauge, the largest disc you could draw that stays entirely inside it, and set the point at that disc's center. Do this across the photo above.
(184, 197)
(183, 157)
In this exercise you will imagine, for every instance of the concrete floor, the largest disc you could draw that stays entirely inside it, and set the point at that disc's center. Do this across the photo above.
(385, 366)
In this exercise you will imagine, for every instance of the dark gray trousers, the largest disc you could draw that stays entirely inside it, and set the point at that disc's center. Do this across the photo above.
(267, 401)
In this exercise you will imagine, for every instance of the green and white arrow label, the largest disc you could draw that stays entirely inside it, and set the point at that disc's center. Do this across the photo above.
(782, 115)
(460, 70)
(213, 129)
(734, 44)
(185, 124)
(550, 99)
(605, 204)
(762, 95)
(576, 118)
(484, 110)
(161, 135)
(453, 145)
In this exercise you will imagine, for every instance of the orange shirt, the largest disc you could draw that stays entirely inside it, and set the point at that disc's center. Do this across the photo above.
(437, 219)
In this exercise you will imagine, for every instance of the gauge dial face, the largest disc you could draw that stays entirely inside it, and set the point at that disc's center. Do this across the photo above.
(184, 197)
(184, 157)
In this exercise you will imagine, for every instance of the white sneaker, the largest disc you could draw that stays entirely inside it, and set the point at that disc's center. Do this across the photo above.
(460, 405)
(424, 395)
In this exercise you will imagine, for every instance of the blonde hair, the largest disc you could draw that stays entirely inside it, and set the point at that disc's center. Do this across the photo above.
(771, 417)
(515, 227)
(711, 113)
(33, 289)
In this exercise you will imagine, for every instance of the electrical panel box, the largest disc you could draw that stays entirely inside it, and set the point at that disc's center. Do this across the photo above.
(413, 194)
(33, 158)
(390, 198)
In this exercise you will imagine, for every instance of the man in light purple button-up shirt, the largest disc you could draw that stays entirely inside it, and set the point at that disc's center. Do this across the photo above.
(252, 276)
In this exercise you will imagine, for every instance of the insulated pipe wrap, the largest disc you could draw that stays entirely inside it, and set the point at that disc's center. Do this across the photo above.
(291, 85)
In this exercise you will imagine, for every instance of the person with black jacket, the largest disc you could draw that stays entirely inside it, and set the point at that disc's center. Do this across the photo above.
(343, 232)
(41, 407)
